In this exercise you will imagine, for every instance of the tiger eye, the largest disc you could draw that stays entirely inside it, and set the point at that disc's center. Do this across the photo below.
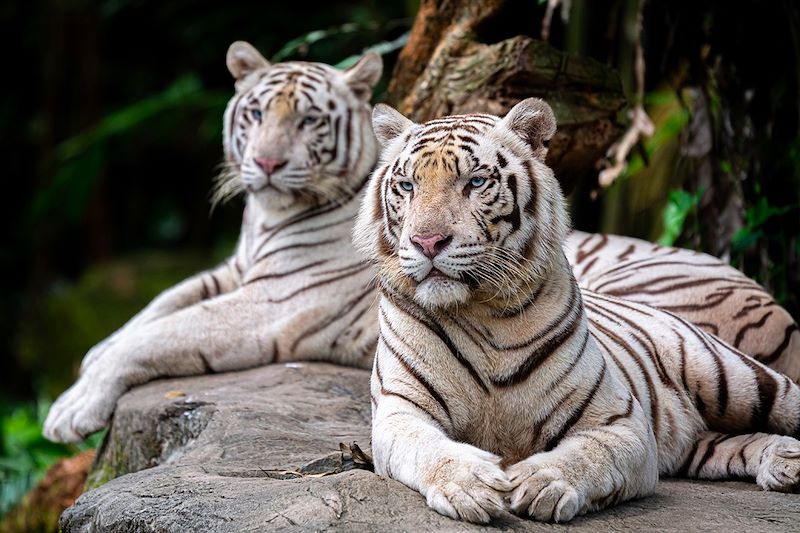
(477, 181)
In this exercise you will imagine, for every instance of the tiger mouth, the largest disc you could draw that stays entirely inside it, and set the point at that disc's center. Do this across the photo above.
(435, 273)
(253, 190)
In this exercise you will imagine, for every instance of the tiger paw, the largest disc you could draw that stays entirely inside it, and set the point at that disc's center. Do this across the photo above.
(468, 484)
(542, 493)
(83, 409)
(780, 468)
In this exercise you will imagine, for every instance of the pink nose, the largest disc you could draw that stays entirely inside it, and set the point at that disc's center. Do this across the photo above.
(431, 245)
(269, 165)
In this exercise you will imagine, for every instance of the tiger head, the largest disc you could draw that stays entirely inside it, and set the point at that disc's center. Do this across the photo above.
(297, 132)
(463, 208)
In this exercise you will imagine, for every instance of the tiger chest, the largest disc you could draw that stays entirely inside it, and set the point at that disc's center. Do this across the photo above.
(501, 423)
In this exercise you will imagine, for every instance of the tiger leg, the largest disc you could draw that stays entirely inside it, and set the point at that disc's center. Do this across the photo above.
(230, 332)
(410, 443)
(587, 472)
(458, 480)
(194, 289)
(603, 463)
(772, 460)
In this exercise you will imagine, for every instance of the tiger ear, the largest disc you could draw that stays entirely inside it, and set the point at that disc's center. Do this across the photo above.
(363, 76)
(533, 120)
(243, 59)
(388, 124)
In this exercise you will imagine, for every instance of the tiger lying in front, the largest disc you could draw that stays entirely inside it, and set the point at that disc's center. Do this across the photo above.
(491, 384)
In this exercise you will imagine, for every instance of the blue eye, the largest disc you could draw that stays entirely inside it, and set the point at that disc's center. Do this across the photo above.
(308, 121)
(257, 114)
(477, 182)
(407, 186)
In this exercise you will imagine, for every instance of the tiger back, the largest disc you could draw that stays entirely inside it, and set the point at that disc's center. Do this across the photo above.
(696, 286)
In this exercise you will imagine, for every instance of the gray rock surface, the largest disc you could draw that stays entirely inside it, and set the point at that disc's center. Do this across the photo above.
(258, 450)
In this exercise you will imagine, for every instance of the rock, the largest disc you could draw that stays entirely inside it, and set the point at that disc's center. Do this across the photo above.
(259, 450)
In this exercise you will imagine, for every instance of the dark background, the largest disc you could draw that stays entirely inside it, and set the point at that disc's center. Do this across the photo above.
(110, 131)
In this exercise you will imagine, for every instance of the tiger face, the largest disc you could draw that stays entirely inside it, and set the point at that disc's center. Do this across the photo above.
(296, 132)
(463, 208)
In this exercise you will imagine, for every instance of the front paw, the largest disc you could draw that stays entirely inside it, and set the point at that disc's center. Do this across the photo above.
(780, 467)
(83, 409)
(542, 493)
(468, 484)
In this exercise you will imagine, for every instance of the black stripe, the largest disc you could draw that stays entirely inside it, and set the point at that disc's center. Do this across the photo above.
(275, 275)
(541, 354)
(295, 246)
(578, 413)
(387, 392)
(415, 373)
(423, 318)
(315, 285)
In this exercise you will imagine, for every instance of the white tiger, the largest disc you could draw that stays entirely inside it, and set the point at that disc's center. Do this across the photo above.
(498, 382)
(298, 139)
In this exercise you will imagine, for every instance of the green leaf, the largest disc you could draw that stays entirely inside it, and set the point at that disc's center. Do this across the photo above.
(755, 217)
(185, 87)
(25, 455)
(382, 48)
(300, 44)
(679, 204)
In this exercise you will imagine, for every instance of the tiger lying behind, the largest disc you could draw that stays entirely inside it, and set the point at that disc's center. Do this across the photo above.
(294, 290)
(698, 287)
(298, 139)
(497, 377)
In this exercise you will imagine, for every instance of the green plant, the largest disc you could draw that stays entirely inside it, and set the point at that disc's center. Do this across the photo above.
(80, 158)
(755, 218)
(680, 204)
(25, 455)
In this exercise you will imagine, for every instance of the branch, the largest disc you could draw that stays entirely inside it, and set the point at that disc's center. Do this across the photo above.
(641, 125)
(548, 15)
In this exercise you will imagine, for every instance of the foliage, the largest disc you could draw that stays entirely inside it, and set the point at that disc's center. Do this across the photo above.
(680, 204)
(25, 455)
(81, 157)
(300, 45)
(756, 217)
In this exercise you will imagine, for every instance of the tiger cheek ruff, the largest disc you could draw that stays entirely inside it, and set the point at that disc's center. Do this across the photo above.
(501, 385)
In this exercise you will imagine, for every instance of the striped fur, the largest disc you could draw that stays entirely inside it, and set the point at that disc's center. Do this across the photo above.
(698, 287)
(294, 288)
(499, 382)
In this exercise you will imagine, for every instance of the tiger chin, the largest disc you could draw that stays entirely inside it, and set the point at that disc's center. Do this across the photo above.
(500, 385)
(298, 143)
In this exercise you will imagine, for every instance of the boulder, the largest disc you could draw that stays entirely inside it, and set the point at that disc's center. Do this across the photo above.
(260, 450)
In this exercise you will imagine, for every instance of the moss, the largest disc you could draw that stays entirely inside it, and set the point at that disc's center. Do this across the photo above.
(109, 463)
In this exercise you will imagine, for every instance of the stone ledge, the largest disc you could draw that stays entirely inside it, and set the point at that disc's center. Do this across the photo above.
(257, 450)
